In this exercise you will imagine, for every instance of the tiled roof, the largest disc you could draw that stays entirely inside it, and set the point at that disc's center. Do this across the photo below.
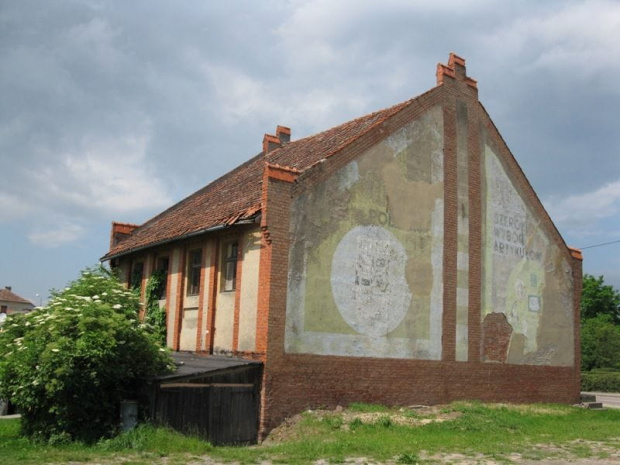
(8, 296)
(237, 195)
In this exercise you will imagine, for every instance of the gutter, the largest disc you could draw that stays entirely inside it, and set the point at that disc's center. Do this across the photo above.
(211, 229)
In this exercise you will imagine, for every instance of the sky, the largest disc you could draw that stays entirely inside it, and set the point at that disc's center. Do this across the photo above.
(114, 110)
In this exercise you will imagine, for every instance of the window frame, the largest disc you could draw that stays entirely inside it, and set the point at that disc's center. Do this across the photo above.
(133, 282)
(162, 290)
(230, 259)
(194, 272)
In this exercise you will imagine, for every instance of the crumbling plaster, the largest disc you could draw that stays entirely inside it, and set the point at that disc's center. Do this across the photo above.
(366, 269)
(526, 276)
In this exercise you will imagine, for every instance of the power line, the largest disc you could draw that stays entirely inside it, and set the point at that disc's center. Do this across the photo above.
(599, 245)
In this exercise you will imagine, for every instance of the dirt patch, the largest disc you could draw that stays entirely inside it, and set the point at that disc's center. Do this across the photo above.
(578, 452)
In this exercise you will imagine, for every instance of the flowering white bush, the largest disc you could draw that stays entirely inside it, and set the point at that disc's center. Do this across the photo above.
(68, 365)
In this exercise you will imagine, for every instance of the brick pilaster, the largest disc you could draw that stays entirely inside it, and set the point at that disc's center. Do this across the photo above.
(474, 144)
(273, 275)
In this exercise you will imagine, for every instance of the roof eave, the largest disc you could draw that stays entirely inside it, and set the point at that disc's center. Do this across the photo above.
(210, 229)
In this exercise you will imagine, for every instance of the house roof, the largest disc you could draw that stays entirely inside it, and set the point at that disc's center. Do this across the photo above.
(6, 295)
(236, 196)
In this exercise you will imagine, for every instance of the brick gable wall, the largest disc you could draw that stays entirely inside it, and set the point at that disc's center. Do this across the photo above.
(293, 382)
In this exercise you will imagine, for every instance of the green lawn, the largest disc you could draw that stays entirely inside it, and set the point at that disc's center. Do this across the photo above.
(375, 432)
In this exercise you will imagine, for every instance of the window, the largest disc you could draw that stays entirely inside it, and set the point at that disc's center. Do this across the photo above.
(161, 271)
(230, 267)
(137, 271)
(193, 272)
(3, 309)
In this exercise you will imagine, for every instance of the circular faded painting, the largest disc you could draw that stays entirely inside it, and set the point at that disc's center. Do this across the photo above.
(368, 280)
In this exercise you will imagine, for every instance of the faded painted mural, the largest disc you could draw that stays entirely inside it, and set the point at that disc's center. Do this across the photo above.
(366, 257)
(527, 285)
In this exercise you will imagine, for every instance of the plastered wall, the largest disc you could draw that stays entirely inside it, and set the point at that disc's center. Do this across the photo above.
(249, 292)
(365, 262)
(235, 311)
(228, 327)
(173, 294)
(190, 336)
(527, 285)
(224, 318)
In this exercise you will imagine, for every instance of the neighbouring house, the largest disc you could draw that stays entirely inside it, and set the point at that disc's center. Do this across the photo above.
(12, 303)
(398, 258)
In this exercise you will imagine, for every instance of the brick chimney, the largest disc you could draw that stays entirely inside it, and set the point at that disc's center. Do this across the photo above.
(271, 142)
(120, 231)
(284, 134)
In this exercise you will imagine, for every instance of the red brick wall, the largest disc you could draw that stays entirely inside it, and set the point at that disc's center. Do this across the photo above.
(298, 382)
(293, 382)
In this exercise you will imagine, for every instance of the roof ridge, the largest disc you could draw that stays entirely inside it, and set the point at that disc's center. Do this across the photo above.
(334, 128)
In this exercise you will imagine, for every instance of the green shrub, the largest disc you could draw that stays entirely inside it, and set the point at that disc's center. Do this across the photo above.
(68, 365)
(600, 381)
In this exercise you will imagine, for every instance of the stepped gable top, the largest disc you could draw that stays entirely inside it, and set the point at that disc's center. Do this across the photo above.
(236, 196)
(7, 295)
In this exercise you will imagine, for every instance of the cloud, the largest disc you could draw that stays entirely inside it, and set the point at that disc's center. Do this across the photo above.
(580, 39)
(559, 44)
(13, 207)
(93, 43)
(108, 176)
(56, 235)
(581, 212)
(239, 95)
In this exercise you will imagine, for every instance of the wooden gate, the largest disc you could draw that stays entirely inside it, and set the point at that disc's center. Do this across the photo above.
(216, 398)
(220, 413)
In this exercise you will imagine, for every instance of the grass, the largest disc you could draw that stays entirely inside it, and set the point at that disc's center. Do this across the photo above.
(367, 408)
(374, 432)
(142, 446)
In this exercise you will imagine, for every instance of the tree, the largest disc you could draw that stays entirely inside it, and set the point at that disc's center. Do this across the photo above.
(598, 298)
(68, 366)
(600, 343)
